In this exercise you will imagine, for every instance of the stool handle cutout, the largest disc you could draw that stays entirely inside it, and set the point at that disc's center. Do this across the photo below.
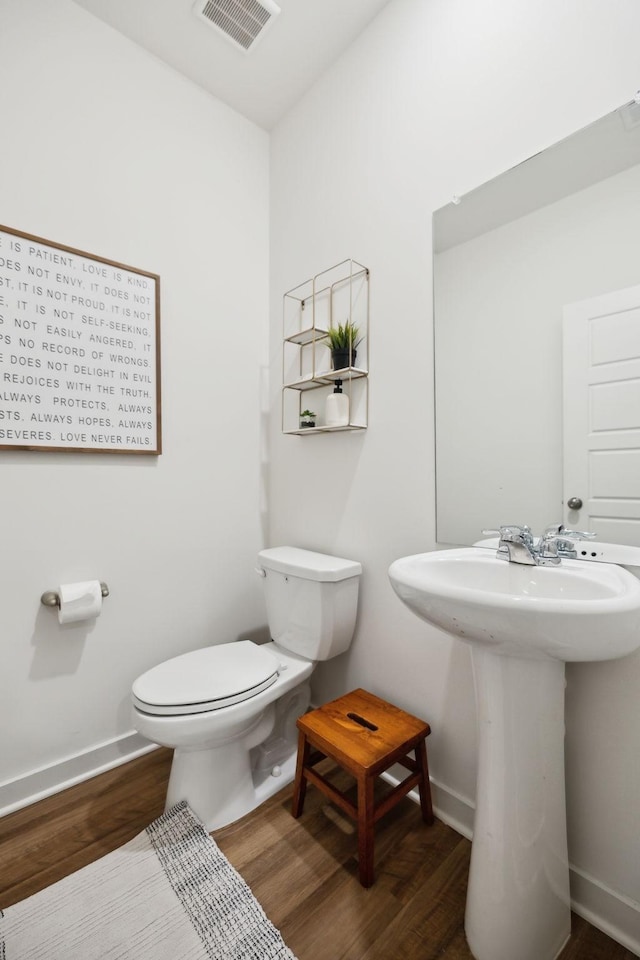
(361, 720)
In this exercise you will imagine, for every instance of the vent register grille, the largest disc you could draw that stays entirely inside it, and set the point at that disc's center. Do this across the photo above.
(241, 21)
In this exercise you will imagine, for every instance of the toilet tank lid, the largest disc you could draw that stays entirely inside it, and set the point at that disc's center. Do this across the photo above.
(308, 565)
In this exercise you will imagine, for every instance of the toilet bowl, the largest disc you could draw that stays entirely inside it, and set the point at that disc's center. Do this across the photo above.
(228, 711)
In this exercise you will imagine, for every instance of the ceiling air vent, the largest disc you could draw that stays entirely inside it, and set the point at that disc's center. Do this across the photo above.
(241, 21)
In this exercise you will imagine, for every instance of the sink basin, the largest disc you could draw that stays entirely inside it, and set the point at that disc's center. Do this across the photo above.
(522, 622)
(576, 610)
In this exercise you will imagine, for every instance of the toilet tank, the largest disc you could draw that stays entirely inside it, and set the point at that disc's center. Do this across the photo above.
(312, 600)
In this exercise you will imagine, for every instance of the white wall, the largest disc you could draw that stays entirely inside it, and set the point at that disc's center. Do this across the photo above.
(107, 150)
(435, 98)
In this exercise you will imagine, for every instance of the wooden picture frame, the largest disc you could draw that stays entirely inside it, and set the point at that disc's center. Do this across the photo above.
(79, 350)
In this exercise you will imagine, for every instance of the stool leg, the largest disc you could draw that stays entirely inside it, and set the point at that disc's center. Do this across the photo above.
(365, 829)
(300, 788)
(424, 787)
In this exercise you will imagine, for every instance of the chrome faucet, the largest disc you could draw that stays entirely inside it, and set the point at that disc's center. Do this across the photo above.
(518, 545)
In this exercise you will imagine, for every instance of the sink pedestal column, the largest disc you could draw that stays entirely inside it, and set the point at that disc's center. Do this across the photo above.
(518, 895)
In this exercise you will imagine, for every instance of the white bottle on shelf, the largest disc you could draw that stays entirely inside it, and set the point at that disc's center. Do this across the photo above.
(337, 408)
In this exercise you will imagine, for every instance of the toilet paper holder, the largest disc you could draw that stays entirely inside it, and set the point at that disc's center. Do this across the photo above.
(51, 599)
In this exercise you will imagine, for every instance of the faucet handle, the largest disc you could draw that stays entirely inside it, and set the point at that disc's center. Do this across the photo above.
(553, 530)
(490, 533)
(512, 532)
(558, 530)
(577, 534)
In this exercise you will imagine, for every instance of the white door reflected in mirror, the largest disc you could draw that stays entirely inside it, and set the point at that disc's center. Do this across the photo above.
(601, 364)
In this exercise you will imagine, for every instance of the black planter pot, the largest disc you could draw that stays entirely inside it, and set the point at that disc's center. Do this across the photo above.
(340, 358)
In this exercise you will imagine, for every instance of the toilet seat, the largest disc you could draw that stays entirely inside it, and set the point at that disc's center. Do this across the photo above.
(206, 679)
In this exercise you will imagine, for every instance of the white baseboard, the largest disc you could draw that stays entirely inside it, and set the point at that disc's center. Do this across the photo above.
(610, 911)
(33, 786)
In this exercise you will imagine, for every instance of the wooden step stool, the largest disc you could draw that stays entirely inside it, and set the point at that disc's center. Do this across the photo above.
(364, 735)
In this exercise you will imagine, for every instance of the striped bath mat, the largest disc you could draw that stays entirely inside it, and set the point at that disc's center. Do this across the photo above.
(168, 894)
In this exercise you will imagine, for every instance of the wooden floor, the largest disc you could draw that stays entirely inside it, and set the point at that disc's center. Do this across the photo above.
(303, 872)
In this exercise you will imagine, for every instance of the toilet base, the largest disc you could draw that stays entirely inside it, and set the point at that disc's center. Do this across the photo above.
(224, 782)
(219, 801)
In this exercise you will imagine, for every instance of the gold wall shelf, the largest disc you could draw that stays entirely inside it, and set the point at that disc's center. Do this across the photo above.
(310, 310)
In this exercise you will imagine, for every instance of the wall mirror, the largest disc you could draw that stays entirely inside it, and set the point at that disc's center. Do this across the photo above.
(537, 342)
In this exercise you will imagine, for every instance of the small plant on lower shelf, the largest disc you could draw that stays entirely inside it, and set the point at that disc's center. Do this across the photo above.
(307, 418)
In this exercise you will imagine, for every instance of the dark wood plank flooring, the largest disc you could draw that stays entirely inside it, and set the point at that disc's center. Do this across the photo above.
(304, 872)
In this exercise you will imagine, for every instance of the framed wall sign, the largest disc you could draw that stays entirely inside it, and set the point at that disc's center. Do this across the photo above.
(79, 350)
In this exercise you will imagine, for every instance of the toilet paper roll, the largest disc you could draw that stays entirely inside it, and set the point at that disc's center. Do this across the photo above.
(79, 601)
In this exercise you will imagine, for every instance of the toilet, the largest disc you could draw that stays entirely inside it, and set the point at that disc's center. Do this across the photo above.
(229, 711)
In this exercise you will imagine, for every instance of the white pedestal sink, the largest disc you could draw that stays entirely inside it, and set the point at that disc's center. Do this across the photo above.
(523, 622)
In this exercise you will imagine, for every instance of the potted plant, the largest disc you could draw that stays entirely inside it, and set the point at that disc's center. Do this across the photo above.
(342, 341)
(307, 418)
